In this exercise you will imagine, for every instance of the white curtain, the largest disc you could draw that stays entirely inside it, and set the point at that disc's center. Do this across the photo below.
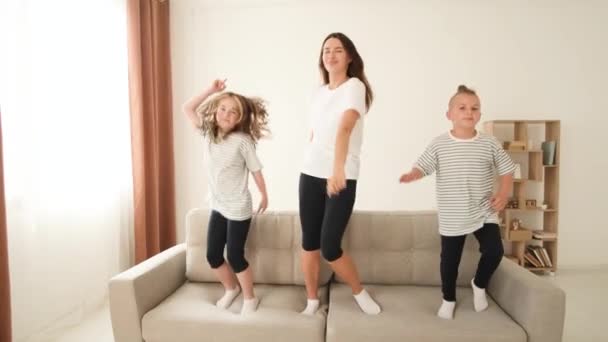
(64, 102)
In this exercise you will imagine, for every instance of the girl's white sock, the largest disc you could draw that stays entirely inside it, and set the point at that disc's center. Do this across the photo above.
(228, 297)
(250, 305)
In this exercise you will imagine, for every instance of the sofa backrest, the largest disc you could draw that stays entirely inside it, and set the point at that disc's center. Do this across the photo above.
(273, 249)
(402, 248)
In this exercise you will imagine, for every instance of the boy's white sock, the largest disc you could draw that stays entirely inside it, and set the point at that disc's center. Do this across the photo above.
(479, 297)
(446, 311)
(312, 305)
(367, 303)
(250, 305)
(228, 297)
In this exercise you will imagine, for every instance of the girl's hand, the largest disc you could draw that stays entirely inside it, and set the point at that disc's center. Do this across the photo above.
(336, 183)
(411, 176)
(217, 86)
(263, 205)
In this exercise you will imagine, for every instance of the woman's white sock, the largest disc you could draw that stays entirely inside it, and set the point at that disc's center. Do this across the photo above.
(367, 303)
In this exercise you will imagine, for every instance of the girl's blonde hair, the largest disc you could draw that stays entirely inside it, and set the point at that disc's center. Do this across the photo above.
(253, 117)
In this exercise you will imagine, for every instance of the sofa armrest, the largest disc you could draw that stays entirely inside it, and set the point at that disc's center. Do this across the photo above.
(142, 287)
(533, 302)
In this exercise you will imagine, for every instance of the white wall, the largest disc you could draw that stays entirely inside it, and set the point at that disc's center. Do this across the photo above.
(528, 60)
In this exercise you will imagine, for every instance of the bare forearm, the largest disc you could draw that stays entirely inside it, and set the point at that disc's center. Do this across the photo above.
(342, 139)
(414, 174)
(505, 185)
(258, 177)
(190, 106)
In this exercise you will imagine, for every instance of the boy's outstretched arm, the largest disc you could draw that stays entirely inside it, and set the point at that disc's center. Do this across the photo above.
(259, 181)
(411, 176)
(424, 166)
(499, 200)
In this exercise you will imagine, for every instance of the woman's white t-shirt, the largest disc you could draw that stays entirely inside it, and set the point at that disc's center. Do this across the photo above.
(327, 108)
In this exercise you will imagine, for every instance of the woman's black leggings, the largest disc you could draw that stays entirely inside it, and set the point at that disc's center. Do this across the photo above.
(232, 234)
(324, 218)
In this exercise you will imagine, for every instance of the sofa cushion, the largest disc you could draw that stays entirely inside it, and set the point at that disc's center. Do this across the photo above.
(273, 249)
(402, 248)
(409, 314)
(190, 315)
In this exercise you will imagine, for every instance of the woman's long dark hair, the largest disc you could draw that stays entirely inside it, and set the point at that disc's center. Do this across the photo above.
(355, 68)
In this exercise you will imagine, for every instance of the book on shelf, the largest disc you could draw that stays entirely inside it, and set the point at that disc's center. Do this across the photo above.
(531, 259)
(546, 256)
(537, 256)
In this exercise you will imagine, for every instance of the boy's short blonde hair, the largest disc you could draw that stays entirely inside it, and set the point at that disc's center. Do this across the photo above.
(462, 89)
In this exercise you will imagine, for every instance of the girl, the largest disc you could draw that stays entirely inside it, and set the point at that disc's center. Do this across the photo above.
(329, 178)
(231, 124)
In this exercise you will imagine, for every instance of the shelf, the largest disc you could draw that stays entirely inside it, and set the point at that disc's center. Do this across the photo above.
(524, 151)
(544, 239)
(532, 268)
(521, 140)
(523, 180)
(522, 121)
(532, 209)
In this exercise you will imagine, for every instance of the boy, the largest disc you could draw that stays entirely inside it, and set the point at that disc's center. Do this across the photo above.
(466, 162)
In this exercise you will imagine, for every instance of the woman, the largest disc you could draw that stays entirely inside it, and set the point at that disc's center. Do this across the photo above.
(328, 181)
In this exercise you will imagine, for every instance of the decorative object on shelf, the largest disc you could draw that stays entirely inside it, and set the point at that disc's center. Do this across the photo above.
(515, 224)
(544, 206)
(517, 172)
(512, 203)
(548, 148)
(531, 203)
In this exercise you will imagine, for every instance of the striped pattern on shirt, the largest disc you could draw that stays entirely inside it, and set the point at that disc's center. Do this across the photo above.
(466, 173)
(230, 162)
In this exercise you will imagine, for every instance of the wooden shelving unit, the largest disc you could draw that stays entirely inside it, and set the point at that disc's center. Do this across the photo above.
(538, 182)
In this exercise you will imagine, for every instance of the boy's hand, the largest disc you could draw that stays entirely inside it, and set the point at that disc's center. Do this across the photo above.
(498, 201)
(217, 86)
(411, 176)
(263, 205)
(336, 183)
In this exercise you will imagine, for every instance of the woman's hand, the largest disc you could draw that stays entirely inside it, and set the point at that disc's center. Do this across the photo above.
(336, 183)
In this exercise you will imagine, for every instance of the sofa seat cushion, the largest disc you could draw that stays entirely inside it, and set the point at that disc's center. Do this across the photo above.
(190, 315)
(409, 314)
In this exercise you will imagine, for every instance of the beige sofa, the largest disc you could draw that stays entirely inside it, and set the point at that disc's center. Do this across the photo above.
(171, 296)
